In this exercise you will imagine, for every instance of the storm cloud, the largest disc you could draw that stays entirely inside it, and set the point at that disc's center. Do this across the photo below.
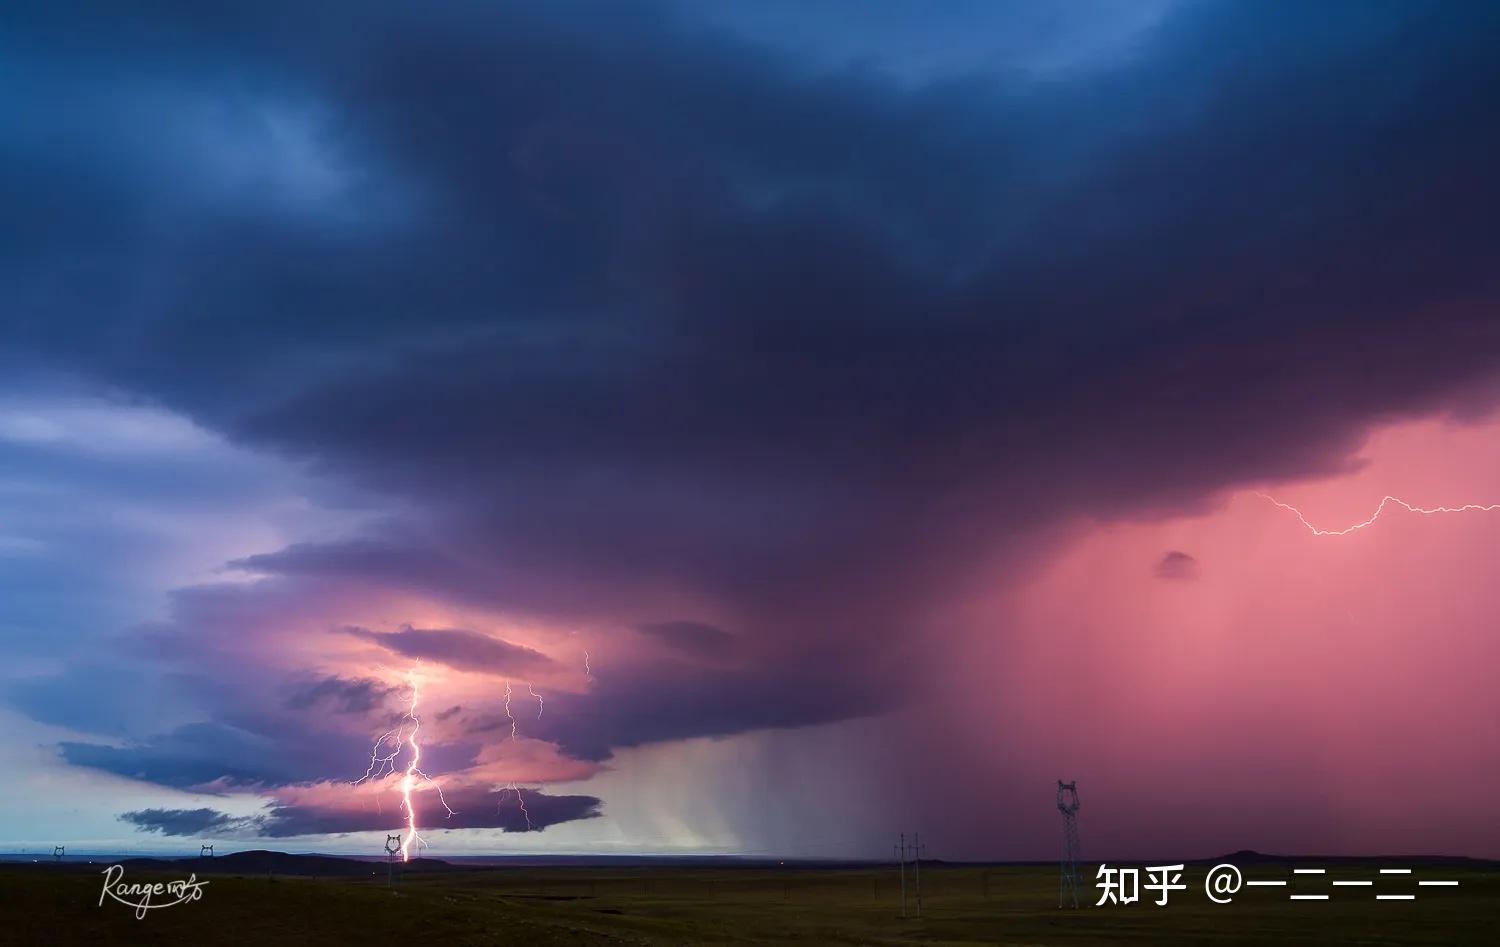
(345, 696)
(1176, 564)
(639, 325)
(474, 808)
(692, 637)
(185, 821)
(455, 647)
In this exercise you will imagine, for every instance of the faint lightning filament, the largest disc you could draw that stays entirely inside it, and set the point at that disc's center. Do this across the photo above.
(1426, 511)
(520, 799)
(508, 715)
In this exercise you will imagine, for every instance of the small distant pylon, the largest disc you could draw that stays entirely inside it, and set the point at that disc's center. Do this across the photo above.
(392, 849)
(1068, 884)
(913, 849)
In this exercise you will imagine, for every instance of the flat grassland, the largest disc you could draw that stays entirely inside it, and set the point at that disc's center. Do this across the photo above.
(585, 906)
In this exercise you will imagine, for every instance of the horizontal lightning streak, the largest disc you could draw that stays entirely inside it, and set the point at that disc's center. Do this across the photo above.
(1386, 500)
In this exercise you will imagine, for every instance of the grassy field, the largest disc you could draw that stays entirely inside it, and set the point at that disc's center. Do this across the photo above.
(580, 906)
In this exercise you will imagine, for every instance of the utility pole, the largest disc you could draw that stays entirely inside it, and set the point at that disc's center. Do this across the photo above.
(901, 854)
(916, 850)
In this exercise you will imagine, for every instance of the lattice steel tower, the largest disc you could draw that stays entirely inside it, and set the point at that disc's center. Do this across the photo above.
(1068, 885)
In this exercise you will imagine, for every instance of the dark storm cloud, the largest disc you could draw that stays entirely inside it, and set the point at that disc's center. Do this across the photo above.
(458, 648)
(370, 558)
(692, 637)
(185, 821)
(611, 304)
(455, 574)
(197, 754)
(215, 756)
(671, 702)
(1175, 564)
(475, 807)
(343, 695)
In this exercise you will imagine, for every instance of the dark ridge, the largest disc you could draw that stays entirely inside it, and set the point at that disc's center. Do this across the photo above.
(1249, 857)
(261, 862)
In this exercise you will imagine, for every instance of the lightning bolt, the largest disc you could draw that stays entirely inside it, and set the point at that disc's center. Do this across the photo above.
(400, 738)
(588, 672)
(508, 715)
(520, 799)
(1385, 501)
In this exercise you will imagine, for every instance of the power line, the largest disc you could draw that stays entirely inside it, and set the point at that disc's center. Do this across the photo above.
(914, 850)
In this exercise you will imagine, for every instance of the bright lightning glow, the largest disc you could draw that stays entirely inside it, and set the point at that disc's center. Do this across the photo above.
(408, 779)
(1426, 511)
(399, 738)
(538, 697)
(588, 672)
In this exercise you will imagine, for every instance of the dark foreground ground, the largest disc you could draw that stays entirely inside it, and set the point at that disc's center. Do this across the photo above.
(584, 906)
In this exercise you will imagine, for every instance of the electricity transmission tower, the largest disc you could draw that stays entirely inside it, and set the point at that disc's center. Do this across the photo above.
(392, 849)
(1068, 884)
(916, 853)
(901, 854)
(914, 850)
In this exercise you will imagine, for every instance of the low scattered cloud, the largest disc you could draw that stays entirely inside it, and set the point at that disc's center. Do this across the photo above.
(458, 648)
(692, 637)
(1175, 564)
(474, 807)
(342, 695)
(187, 821)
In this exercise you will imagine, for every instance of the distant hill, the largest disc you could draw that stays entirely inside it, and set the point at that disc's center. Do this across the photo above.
(1248, 857)
(261, 862)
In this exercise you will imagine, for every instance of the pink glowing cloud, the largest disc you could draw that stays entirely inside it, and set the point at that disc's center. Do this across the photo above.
(1305, 692)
